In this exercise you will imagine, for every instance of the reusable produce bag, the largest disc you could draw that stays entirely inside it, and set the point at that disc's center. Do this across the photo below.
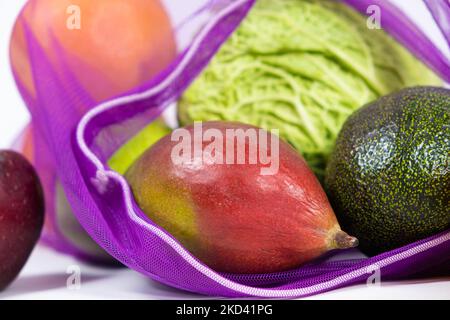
(75, 151)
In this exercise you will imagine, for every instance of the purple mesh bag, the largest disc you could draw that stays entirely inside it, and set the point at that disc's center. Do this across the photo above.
(101, 199)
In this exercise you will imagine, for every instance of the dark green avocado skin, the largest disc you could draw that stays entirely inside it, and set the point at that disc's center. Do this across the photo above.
(388, 178)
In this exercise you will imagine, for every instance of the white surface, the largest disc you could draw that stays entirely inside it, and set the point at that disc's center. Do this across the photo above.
(13, 114)
(45, 277)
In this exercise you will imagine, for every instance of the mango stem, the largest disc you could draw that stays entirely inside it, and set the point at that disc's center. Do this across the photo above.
(342, 240)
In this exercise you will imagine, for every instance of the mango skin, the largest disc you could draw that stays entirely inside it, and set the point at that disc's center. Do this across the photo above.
(229, 216)
(388, 178)
(120, 44)
(123, 158)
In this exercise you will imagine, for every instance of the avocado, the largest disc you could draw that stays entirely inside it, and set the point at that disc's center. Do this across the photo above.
(388, 177)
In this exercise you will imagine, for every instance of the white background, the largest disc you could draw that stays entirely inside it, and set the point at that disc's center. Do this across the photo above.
(44, 276)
